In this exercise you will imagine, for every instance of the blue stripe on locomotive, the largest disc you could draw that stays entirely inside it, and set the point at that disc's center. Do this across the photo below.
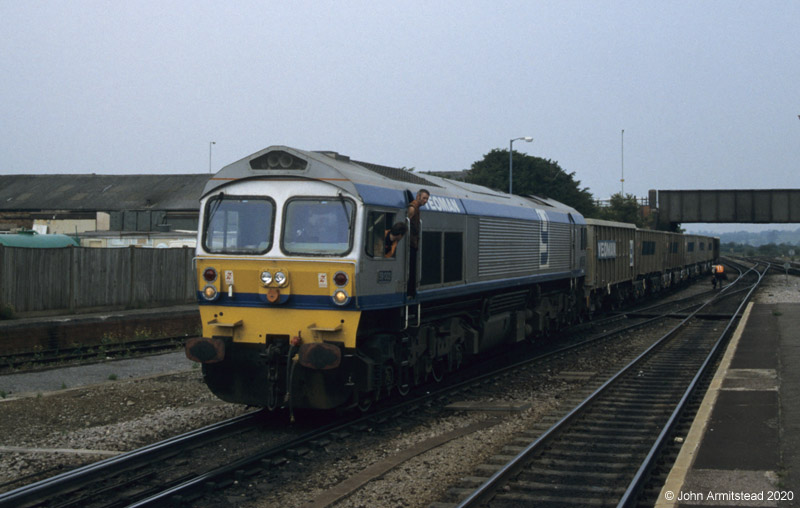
(374, 302)
(383, 196)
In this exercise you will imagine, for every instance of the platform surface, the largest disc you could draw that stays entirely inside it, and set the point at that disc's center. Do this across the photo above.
(744, 446)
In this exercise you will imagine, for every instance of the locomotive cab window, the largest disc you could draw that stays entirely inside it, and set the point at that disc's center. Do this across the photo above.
(238, 225)
(377, 225)
(318, 226)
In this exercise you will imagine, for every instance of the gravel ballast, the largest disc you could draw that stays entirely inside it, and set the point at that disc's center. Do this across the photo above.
(81, 412)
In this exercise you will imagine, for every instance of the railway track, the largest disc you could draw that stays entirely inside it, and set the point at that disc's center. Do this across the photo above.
(603, 451)
(49, 358)
(80, 486)
(166, 473)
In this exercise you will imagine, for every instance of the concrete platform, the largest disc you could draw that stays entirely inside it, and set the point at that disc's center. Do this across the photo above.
(91, 329)
(744, 446)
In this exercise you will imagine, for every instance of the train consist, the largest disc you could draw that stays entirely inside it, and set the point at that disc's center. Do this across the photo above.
(301, 307)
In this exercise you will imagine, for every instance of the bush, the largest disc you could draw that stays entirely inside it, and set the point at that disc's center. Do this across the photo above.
(6, 311)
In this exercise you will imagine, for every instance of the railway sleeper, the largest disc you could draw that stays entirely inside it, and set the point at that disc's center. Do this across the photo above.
(517, 499)
(544, 476)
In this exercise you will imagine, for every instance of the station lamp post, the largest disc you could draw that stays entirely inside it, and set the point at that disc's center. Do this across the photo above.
(527, 139)
(210, 144)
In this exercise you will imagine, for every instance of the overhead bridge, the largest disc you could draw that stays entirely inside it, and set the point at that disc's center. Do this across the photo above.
(772, 206)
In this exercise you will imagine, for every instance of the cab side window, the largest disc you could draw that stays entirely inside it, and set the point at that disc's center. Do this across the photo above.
(377, 224)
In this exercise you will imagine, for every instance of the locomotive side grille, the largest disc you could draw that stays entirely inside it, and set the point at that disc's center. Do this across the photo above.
(560, 243)
(507, 247)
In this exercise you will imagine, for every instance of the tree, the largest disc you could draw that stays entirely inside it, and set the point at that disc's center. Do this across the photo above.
(623, 209)
(532, 175)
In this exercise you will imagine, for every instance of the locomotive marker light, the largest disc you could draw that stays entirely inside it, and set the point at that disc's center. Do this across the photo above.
(210, 274)
(527, 139)
(340, 279)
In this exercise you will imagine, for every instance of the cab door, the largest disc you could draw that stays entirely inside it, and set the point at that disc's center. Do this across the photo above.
(384, 276)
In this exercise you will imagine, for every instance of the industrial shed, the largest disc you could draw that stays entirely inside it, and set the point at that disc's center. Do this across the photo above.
(91, 204)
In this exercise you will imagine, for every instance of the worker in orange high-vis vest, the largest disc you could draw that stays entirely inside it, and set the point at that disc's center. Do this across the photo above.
(718, 273)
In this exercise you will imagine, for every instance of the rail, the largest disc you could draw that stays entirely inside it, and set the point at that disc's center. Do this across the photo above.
(490, 487)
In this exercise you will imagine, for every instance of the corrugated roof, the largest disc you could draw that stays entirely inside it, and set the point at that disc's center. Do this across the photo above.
(101, 192)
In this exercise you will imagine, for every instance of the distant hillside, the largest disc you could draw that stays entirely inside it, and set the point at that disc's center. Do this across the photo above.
(757, 239)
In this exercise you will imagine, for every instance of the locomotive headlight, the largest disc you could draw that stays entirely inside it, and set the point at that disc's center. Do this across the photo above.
(340, 297)
(266, 277)
(210, 293)
(280, 278)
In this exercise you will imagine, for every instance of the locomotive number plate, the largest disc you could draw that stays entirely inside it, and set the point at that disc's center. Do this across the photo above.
(322, 280)
(384, 276)
(229, 277)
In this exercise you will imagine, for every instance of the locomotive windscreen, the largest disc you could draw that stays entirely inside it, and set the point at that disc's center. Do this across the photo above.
(319, 226)
(238, 225)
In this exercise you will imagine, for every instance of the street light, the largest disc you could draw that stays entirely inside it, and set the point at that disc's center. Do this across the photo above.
(622, 163)
(209, 154)
(527, 139)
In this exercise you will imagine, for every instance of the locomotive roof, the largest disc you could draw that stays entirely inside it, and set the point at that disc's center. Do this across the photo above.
(382, 185)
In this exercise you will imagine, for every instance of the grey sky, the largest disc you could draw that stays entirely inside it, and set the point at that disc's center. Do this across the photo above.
(707, 92)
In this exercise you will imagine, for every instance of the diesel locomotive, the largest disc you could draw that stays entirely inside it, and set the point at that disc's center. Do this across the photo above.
(301, 307)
